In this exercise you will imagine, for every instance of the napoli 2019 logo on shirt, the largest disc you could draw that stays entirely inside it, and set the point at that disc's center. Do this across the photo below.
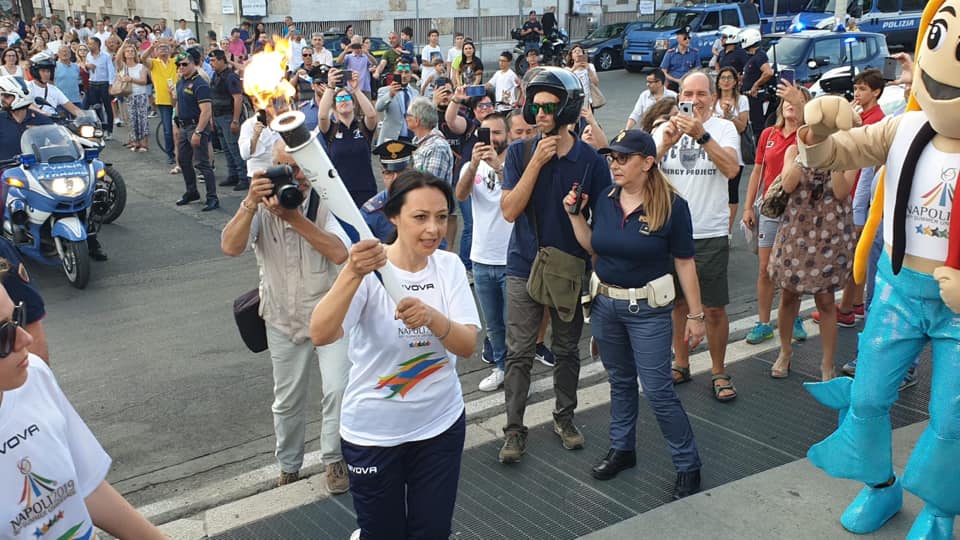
(942, 193)
(41, 497)
(412, 372)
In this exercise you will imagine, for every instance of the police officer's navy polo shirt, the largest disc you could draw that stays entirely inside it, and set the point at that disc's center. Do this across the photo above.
(677, 64)
(190, 94)
(753, 70)
(11, 130)
(628, 253)
(737, 59)
(582, 164)
(18, 285)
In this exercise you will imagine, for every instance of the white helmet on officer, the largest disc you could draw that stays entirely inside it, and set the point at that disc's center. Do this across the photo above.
(730, 33)
(750, 37)
(16, 87)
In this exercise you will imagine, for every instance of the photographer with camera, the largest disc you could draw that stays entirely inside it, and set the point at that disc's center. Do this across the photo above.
(293, 236)
(348, 134)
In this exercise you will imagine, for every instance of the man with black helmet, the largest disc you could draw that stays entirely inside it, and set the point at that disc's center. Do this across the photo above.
(537, 175)
(41, 69)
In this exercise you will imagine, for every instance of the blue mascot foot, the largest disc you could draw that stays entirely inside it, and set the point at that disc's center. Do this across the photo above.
(872, 508)
(931, 524)
(860, 449)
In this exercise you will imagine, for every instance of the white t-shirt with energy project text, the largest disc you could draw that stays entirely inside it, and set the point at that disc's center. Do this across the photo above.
(403, 384)
(698, 180)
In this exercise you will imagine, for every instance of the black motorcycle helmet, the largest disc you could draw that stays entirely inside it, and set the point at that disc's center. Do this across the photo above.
(39, 62)
(561, 83)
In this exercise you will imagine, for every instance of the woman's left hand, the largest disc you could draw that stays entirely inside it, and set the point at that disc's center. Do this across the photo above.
(694, 332)
(414, 313)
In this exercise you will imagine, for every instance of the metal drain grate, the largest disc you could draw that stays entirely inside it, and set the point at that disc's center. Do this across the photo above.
(550, 494)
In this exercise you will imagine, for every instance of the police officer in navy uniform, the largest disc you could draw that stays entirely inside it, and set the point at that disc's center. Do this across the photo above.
(195, 120)
(16, 117)
(395, 156)
(678, 61)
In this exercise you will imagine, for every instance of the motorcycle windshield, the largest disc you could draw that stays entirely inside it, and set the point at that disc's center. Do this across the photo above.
(50, 144)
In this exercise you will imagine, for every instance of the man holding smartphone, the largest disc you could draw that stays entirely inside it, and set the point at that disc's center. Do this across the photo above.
(699, 153)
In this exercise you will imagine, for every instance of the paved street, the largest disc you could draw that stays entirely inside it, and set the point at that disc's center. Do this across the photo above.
(149, 354)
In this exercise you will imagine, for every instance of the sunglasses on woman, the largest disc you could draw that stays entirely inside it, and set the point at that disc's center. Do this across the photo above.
(8, 330)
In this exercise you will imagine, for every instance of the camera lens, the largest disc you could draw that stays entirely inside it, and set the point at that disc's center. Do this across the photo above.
(289, 196)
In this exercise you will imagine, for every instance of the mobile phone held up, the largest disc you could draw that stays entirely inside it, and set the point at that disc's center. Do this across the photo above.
(476, 91)
(686, 108)
(483, 135)
(892, 69)
(387, 80)
(788, 75)
(345, 76)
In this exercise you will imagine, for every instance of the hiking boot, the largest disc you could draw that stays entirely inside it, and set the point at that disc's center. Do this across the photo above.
(337, 480)
(287, 478)
(569, 434)
(799, 333)
(761, 332)
(514, 445)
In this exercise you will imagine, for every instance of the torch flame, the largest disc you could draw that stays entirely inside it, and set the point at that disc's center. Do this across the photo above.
(264, 77)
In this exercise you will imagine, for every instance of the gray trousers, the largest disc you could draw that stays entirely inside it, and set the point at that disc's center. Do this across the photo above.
(291, 394)
(523, 322)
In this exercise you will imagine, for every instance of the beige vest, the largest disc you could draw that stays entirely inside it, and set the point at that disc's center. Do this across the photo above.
(293, 275)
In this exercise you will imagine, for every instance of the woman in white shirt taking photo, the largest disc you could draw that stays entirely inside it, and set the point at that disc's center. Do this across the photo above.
(403, 421)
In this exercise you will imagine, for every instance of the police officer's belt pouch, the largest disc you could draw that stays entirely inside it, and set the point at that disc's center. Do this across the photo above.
(246, 311)
(555, 281)
(660, 291)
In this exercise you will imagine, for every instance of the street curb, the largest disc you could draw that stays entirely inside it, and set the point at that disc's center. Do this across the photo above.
(249, 497)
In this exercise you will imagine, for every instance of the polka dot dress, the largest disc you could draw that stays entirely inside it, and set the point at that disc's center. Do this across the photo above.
(813, 250)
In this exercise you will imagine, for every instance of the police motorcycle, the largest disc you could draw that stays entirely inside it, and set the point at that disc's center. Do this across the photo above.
(50, 190)
(553, 50)
(87, 128)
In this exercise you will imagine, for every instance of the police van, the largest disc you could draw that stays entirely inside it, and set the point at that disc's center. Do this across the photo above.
(899, 20)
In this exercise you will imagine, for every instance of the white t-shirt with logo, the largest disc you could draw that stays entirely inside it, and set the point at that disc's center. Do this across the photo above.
(698, 180)
(742, 105)
(426, 66)
(403, 383)
(51, 93)
(491, 232)
(49, 462)
(506, 85)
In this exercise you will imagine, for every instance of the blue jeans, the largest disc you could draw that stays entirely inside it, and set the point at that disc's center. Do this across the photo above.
(638, 345)
(236, 167)
(406, 491)
(466, 236)
(166, 119)
(490, 282)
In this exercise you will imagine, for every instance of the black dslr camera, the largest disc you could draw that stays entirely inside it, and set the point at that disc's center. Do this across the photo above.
(285, 187)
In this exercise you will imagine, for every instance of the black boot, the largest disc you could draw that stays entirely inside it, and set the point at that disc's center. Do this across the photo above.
(613, 463)
(687, 484)
(95, 249)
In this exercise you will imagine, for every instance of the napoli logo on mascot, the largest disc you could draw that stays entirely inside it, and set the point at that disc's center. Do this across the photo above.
(916, 296)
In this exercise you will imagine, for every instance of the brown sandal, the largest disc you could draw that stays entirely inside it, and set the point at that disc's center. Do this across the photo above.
(684, 373)
(718, 388)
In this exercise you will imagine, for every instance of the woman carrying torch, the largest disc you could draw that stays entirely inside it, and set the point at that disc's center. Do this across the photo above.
(403, 420)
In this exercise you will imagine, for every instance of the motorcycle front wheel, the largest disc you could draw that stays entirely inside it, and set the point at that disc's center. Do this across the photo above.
(76, 262)
(116, 194)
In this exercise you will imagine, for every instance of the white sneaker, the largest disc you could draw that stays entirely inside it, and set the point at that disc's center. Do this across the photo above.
(355, 535)
(493, 381)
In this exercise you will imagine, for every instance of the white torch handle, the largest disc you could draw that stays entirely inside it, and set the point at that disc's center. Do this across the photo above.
(318, 168)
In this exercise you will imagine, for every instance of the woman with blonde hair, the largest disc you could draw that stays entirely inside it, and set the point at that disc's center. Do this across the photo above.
(129, 69)
(643, 231)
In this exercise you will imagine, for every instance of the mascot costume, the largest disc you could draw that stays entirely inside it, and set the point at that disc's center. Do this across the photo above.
(917, 291)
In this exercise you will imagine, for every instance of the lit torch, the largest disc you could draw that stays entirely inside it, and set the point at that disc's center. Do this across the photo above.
(264, 82)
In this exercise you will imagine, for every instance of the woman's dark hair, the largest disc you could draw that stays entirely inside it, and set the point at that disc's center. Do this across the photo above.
(736, 82)
(407, 181)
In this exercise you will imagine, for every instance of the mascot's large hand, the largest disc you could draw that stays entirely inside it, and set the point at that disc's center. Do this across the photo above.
(825, 116)
(949, 279)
